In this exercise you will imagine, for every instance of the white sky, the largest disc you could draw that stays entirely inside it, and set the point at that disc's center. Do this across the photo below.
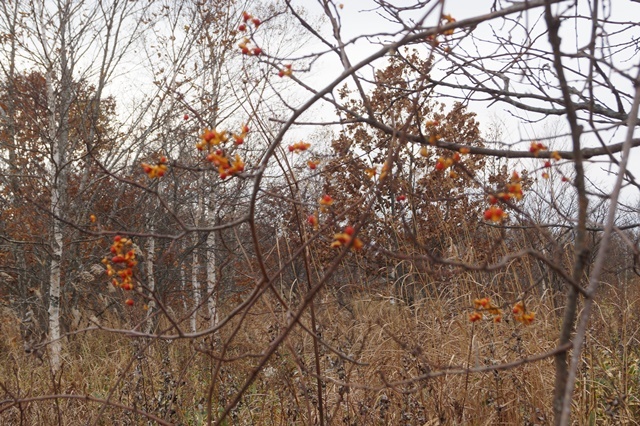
(358, 18)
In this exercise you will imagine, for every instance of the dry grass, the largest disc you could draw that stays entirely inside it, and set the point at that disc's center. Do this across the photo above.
(392, 343)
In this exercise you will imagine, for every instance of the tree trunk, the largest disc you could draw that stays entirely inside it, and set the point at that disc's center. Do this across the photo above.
(212, 289)
(195, 285)
(151, 281)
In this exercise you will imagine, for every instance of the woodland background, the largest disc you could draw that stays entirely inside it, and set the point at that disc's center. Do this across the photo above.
(275, 212)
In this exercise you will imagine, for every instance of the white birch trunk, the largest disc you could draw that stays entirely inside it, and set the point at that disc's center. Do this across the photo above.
(212, 291)
(151, 281)
(195, 286)
(55, 348)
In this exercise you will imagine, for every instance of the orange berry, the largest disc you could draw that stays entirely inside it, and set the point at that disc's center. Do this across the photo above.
(494, 214)
(476, 316)
(482, 303)
(326, 200)
(349, 230)
(129, 302)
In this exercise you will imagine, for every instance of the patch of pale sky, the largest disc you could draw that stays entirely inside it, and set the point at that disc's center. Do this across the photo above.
(360, 18)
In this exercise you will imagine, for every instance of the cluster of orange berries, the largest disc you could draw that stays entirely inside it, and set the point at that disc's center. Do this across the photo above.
(239, 137)
(225, 166)
(521, 315)
(340, 239)
(484, 305)
(120, 266)
(513, 190)
(286, 71)
(157, 170)
(244, 48)
(372, 172)
(299, 147)
(495, 214)
(444, 163)
(246, 17)
(345, 238)
(326, 200)
(211, 140)
(448, 19)
(244, 44)
(535, 148)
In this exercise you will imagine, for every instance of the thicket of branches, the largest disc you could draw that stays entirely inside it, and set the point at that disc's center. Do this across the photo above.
(240, 222)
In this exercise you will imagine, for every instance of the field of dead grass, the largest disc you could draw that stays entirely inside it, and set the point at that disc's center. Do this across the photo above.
(381, 361)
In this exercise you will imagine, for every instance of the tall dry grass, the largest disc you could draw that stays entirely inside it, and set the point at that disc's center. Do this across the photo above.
(374, 349)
